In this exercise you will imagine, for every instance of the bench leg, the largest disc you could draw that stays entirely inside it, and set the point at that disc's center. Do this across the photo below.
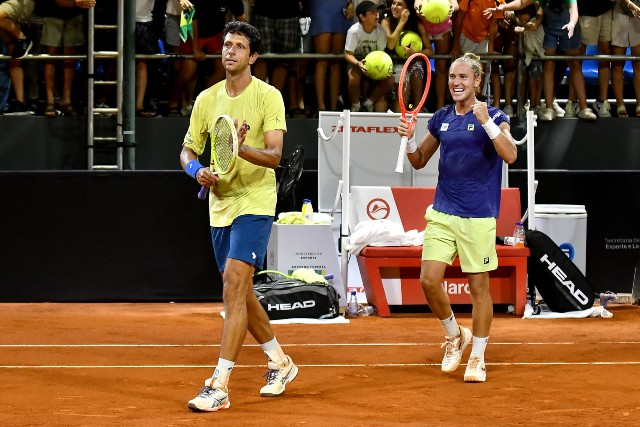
(521, 286)
(372, 282)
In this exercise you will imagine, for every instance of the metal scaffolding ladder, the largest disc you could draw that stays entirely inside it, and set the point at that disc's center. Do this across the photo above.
(105, 152)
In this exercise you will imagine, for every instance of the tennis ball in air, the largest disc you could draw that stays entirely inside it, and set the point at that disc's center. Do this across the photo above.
(408, 39)
(435, 11)
(378, 64)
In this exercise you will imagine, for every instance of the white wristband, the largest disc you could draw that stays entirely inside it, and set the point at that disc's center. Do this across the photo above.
(412, 146)
(492, 129)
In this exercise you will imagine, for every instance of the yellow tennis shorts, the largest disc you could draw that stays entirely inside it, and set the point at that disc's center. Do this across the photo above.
(472, 239)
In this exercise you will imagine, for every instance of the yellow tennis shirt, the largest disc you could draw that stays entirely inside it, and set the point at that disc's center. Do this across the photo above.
(247, 189)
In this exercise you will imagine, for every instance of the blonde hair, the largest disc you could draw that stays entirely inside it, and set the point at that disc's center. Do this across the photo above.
(474, 62)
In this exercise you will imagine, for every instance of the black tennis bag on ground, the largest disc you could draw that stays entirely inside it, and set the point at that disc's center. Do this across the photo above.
(286, 298)
(561, 284)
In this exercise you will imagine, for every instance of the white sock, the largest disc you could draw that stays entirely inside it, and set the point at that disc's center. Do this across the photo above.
(222, 373)
(451, 326)
(273, 350)
(478, 346)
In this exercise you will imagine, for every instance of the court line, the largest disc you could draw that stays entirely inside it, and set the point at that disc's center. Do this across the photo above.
(401, 344)
(331, 365)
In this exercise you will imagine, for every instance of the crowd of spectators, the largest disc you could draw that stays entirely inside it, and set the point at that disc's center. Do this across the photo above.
(529, 29)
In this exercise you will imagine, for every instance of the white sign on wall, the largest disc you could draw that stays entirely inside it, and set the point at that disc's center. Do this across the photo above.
(289, 251)
(374, 152)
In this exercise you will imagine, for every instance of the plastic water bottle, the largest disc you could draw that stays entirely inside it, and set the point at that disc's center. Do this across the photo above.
(366, 310)
(307, 210)
(352, 305)
(605, 297)
(518, 235)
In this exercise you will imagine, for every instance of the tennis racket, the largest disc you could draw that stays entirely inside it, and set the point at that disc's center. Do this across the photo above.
(224, 149)
(415, 80)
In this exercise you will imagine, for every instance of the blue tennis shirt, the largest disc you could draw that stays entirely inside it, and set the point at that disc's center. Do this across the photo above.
(470, 169)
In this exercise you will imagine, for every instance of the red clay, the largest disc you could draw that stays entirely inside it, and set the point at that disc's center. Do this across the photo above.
(540, 372)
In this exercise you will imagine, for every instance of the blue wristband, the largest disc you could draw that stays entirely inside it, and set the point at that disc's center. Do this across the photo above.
(192, 167)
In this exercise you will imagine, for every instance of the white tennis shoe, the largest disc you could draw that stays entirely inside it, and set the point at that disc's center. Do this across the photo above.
(602, 109)
(367, 105)
(453, 348)
(476, 371)
(210, 400)
(279, 375)
(570, 110)
(587, 114)
(557, 109)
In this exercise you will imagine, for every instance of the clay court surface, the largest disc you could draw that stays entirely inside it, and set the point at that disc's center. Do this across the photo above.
(139, 364)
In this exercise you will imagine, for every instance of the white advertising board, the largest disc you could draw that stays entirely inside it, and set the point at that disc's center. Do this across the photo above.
(374, 152)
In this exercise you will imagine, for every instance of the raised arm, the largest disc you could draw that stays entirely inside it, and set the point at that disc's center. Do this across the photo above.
(573, 19)
(514, 5)
(418, 154)
(270, 155)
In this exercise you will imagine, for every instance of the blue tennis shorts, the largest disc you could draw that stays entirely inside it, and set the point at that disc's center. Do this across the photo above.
(246, 239)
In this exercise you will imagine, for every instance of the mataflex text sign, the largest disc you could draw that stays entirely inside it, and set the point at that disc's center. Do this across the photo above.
(374, 151)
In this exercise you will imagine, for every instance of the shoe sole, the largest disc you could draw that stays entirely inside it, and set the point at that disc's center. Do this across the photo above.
(474, 379)
(290, 379)
(194, 408)
(467, 334)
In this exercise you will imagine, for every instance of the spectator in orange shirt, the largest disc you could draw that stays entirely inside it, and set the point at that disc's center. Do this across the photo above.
(441, 35)
(473, 32)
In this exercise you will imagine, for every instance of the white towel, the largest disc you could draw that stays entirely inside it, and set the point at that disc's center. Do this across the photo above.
(546, 314)
(382, 232)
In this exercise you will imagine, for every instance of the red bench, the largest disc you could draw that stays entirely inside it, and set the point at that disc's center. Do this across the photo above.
(399, 266)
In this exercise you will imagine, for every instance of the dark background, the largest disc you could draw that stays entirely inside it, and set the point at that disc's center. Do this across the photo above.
(67, 234)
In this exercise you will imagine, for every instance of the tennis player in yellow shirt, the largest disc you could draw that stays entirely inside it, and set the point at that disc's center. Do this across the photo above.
(241, 207)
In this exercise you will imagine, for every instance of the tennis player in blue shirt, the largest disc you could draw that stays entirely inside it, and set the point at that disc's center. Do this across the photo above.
(474, 139)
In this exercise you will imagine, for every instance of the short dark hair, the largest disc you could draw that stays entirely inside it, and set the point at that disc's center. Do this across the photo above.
(249, 31)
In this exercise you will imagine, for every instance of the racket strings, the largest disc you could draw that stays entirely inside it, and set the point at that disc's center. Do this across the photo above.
(414, 84)
(223, 145)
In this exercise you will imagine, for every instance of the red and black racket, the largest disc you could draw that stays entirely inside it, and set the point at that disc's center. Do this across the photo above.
(415, 80)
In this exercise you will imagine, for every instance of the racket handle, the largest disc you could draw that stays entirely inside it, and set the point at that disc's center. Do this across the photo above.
(401, 154)
(202, 194)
